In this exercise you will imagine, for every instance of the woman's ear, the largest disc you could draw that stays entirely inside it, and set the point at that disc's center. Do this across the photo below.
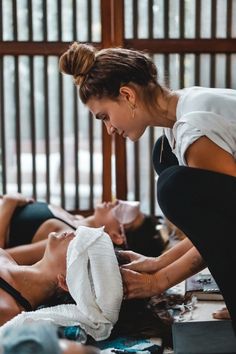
(62, 282)
(128, 94)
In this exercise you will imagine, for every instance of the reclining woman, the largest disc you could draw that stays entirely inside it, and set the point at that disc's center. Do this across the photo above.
(24, 288)
(25, 225)
(68, 265)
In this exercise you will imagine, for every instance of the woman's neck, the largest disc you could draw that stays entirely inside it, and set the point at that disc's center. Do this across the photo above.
(90, 221)
(34, 283)
(164, 114)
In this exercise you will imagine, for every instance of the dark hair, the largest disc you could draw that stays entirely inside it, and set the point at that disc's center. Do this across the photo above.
(146, 239)
(101, 73)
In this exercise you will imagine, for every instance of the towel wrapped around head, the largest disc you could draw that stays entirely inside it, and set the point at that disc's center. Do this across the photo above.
(93, 276)
(94, 281)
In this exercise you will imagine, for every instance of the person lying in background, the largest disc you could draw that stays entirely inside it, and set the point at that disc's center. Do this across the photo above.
(25, 225)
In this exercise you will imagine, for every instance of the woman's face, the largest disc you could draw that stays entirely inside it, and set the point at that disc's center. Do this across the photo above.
(56, 249)
(104, 216)
(118, 117)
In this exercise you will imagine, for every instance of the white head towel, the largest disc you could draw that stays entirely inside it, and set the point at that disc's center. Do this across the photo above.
(93, 276)
(94, 281)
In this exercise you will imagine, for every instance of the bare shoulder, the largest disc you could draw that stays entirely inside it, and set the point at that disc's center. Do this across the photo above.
(8, 309)
(5, 257)
(205, 154)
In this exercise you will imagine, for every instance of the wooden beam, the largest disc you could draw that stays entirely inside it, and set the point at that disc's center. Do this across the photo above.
(183, 45)
(34, 48)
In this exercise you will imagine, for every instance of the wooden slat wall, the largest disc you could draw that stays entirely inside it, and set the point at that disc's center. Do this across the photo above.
(165, 47)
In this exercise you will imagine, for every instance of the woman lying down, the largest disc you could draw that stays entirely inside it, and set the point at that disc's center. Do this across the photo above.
(84, 264)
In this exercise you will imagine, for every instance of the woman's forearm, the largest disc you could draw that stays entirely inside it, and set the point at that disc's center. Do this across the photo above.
(28, 254)
(173, 254)
(187, 265)
(7, 209)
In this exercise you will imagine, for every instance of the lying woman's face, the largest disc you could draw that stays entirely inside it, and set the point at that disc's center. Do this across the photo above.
(103, 211)
(56, 249)
(117, 212)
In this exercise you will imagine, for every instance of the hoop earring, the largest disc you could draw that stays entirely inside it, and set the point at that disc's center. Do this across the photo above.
(132, 107)
(133, 112)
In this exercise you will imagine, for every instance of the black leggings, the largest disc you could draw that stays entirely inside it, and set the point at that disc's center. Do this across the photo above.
(202, 204)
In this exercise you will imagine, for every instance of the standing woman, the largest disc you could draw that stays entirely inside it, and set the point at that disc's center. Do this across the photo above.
(120, 87)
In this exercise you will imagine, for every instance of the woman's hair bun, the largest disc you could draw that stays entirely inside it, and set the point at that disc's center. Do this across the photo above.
(77, 61)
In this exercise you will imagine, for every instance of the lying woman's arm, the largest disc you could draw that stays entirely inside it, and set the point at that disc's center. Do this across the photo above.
(7, 208)
(28, 254)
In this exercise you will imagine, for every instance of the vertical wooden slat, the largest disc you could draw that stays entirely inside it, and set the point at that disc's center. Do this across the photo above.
(213, 35)
(197, 36)
(106, 139)
(182, 35)
(2, 118)
(76, 149)
(17, 124)
(150, 18)
(45, 24)
(61, 142)
(1, 17)
(135, 19)
(166, 7)
(30, 25)
(89, 7)
(46, 124)
(14, 12)
(229, 10)
(228, 35)
(59, 19)
(120, 145)
(91, 163)
(74, 19)
(2, 129)
(32, 105)
(32, 126)
(61, 115)
(76, 118)
(166, 35)
(91, 147)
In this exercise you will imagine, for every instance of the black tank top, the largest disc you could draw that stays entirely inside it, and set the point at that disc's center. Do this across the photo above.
(15, 294)
(26, 220)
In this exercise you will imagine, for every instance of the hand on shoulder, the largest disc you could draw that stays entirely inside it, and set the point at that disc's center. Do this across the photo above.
(17, 199)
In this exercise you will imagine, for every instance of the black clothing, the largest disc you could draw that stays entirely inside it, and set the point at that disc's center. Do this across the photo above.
(146, 239)
(26, 220)
(167, 157)
(202, 204)
(15, 294)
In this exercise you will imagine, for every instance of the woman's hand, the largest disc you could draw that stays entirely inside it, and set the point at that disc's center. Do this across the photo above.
(138, 285)
(138, 262)
(17, 199)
